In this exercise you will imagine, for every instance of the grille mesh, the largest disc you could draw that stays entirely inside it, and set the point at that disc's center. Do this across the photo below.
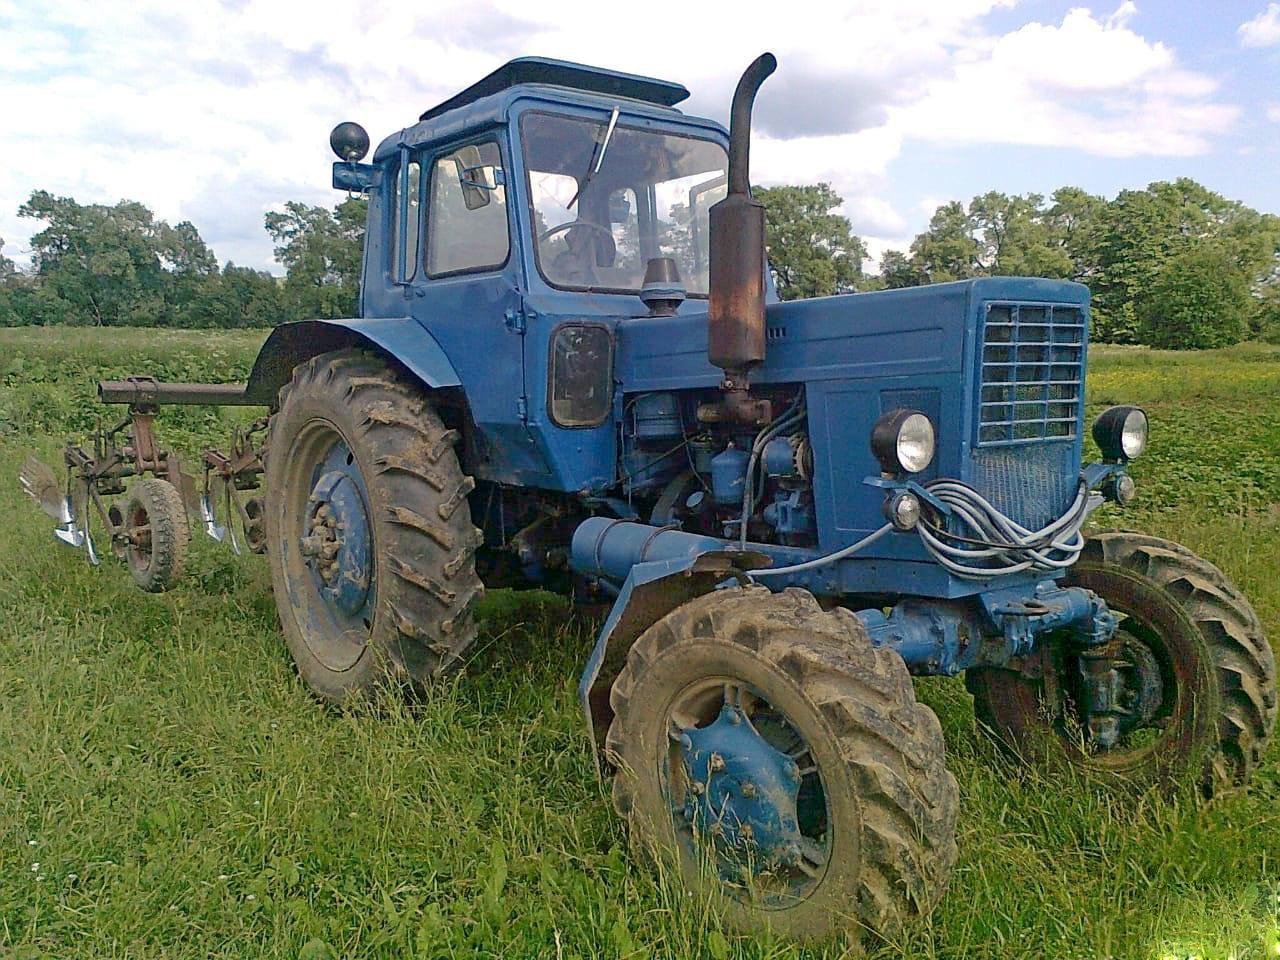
(1032, 360)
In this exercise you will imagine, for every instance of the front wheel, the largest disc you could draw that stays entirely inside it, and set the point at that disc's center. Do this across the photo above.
(1189, 677)
(783, 762)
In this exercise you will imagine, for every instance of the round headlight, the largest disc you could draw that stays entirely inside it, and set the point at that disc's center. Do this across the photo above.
(1121, 432)
(903, 441)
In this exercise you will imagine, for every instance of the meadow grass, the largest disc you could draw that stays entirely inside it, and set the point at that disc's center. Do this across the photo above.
(169, 789)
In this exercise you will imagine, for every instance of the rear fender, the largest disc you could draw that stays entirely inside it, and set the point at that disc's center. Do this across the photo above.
(399, 338)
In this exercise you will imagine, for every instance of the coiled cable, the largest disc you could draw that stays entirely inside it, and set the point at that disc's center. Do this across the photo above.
(989, 544)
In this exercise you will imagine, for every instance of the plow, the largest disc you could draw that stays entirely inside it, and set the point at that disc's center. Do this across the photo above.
(570, 370)
(137, 493)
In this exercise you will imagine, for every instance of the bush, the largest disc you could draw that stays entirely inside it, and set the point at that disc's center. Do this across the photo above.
(1198, 300)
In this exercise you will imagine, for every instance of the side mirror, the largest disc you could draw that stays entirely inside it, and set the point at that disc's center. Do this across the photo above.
(477, 179)
(619, 207)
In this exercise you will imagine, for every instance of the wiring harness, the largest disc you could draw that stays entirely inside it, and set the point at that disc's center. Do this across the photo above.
(985, 543)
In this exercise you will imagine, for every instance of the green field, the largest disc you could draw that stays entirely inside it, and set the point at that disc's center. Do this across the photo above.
(168, 788)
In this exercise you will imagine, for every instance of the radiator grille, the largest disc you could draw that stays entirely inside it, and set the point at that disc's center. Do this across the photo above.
(1031, 374)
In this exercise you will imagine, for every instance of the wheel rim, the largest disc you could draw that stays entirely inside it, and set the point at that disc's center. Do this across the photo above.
(137, 529)
(746, 792)
(329, 545)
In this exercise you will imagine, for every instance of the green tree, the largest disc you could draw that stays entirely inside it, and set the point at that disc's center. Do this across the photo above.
(98, 264)
(947, 250)
(897, 269)
(321, 252)
(1197, 299)
(1141, 230)
(813, 250)
(8, 276)
(1072, 221)
(1014, 239)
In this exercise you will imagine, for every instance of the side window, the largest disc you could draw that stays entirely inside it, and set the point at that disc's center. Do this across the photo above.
(402, 267)
(467, 211)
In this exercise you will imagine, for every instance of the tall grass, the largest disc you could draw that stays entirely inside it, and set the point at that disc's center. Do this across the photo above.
(169, 790)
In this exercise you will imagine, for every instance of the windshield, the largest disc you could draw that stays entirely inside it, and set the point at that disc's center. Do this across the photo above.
(608, 198)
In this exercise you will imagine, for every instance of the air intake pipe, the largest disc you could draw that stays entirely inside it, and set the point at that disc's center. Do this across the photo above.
(736, 333)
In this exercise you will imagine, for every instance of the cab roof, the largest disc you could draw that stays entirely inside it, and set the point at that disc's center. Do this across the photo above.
(561, 73)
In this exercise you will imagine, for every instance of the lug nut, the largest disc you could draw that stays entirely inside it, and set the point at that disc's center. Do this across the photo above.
(748, 790)
(698, 788)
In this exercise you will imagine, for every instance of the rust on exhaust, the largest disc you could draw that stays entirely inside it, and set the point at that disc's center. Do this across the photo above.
(736, 323)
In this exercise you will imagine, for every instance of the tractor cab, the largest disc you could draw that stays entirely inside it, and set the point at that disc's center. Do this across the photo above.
(519, 223)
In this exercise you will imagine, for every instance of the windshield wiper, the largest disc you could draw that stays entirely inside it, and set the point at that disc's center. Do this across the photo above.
(597, 158)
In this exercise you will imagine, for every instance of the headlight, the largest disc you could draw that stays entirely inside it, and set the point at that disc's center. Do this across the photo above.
(1121, 432)
(903, 441)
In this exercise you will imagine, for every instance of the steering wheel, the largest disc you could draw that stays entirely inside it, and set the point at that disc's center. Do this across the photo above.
(569, 224)
(583, 260)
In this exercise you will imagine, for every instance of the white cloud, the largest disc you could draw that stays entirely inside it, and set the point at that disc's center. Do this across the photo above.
(216, 112)
(1273, 113)
(1095, 85)
(1263, 30)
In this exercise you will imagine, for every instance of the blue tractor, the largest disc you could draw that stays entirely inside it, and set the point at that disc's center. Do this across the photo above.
(570, 369)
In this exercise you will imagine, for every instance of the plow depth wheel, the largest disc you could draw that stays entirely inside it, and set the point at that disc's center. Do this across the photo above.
(369, 530)
(783, 762)
(154, 529)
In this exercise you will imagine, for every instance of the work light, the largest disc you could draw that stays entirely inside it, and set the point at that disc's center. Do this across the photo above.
(1121, 433)
(903, 441)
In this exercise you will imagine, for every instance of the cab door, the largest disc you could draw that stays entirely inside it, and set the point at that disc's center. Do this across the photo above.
(465, 289)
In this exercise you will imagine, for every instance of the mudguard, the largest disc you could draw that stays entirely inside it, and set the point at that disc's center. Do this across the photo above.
(401, 338)
(651, 591)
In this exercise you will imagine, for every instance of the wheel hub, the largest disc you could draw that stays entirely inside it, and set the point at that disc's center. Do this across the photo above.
(336, 541)
(1122, 688)
(741, 792)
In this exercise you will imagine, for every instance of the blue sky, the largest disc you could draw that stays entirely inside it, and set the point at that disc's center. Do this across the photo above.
(219, 112)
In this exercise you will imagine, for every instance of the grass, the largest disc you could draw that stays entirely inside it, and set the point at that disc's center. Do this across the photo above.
(168, 788)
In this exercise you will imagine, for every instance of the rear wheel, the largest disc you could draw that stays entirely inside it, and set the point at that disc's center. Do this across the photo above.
(1189, 676)
(369, 531)
(783, 761)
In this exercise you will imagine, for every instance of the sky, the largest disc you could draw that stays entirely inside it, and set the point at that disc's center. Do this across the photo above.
(219, 112)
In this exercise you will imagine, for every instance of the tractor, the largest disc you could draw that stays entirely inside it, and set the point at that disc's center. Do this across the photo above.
(571, 370)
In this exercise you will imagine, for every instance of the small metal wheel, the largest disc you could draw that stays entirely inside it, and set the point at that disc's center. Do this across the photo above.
(783, 762)
(153, 533)
(1186, 690)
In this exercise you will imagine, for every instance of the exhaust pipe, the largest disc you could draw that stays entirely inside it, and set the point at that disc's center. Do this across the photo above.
(736, 334)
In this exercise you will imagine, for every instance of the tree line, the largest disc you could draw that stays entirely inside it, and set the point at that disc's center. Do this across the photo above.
(118, 265)
(1171, 265)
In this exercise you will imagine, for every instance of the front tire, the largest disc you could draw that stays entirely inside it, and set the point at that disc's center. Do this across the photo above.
(1184, 624)
(867, 832)
(369, 531)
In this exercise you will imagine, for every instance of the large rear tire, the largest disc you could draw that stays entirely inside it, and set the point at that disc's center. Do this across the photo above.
(1211, 688)
(369, 531)
(872, 800)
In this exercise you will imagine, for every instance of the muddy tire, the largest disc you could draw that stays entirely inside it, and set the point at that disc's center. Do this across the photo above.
(873, 755)
(1214, 667)
(395, 523)
(155, 525)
